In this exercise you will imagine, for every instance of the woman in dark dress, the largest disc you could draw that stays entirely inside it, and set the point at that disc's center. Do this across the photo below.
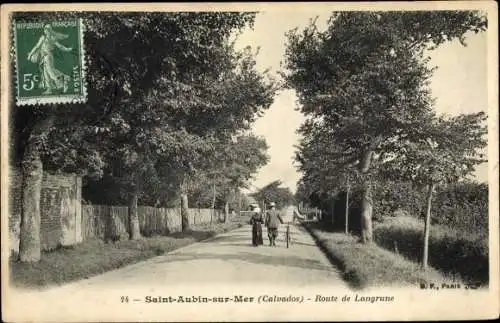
(256, 221)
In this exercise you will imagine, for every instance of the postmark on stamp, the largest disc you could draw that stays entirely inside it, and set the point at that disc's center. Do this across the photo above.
(50, 62)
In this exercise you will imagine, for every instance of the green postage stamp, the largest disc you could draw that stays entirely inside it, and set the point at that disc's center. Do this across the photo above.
(50, 62)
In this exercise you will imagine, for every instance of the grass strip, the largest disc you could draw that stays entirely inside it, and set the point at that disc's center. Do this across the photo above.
(368, 265)
(450, 251)
(94, 257)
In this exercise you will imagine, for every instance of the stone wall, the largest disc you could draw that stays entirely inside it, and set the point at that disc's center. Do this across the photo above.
(60, 207)
(64, 221)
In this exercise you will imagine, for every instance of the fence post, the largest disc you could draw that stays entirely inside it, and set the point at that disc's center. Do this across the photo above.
(78, 209)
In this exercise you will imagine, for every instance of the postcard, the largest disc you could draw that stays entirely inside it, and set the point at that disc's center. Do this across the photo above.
(256, 161)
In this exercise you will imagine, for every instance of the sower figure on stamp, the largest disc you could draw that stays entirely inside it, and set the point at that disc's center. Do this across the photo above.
(43, 54)
(273, 220)
(256, 221)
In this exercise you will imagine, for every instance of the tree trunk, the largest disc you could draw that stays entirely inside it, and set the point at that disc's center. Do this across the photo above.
(213, 207)
(366, 214)
(133, 217)
(347, 209)
(239, 203)
(427, 227)
(184, 208)
(29, 238)
(214, 198)
(366, 204)
(226, 211)
(184, 212)
(165, 201)
(110, 230)
(32, 176)
(333, 210)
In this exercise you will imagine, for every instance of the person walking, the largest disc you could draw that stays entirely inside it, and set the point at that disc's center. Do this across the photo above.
(273, 220)
(256, 221)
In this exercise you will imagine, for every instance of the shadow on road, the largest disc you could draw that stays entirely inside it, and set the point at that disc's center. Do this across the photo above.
(280, 244)
(251, 257)
(244, 238)
(196, 234)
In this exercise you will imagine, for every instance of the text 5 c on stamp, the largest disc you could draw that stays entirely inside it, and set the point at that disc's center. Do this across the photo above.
(50, 62)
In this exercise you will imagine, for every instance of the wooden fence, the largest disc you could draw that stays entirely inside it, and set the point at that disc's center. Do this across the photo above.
(97, 219)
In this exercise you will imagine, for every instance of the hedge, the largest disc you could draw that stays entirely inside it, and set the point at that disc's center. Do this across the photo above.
(449, 250)
(461, 206)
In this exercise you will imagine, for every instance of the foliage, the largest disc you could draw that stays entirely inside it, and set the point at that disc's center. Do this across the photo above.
(188, 109)
(363, 84)
(391, 196)
(450, 251)
(303, 193)
(230, 168)
(272, 192)
(463, 207)
(162, 87)
(450, 151)
(322, 162)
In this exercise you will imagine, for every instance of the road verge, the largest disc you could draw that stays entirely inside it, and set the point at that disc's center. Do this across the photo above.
(94, 257)
(365, 266)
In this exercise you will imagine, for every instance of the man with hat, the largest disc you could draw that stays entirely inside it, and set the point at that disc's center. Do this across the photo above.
(273, 220)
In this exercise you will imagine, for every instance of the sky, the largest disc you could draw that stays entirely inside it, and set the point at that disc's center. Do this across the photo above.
(459, 86)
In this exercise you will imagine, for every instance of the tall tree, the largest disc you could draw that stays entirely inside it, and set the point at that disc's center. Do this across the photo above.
(322, 161)
(215, 111)
(449, 153)
(242, 159)
(273, 192)
(189, 96)
(153, 78)
(53, 137)
(230, 167)
(302, 195)
(365, 80)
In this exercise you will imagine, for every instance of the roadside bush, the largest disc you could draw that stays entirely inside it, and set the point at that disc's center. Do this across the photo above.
(388, 198)
(391, 196)
(449, 250)
(368, 265)
(462, 206)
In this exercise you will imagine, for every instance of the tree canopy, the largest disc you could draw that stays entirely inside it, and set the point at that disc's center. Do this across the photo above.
(165, 92)
(363, 84)
(273, 192)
